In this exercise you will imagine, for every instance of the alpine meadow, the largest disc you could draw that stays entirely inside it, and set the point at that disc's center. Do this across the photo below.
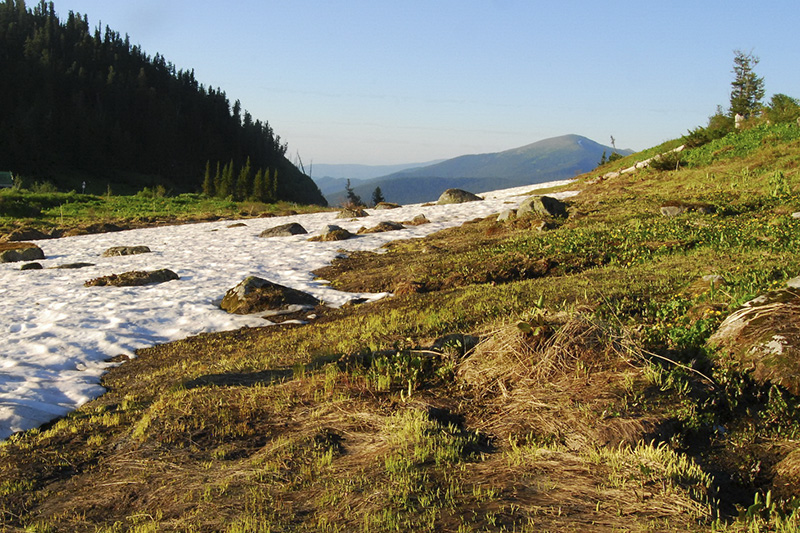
(616, 352)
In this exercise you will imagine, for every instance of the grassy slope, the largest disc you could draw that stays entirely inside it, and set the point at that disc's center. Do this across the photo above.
(361, 421)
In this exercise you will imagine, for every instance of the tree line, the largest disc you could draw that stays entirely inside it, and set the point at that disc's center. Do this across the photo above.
(80, 103)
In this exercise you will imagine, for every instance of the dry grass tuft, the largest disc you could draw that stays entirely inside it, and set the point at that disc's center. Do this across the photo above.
(510, 355)
(564, 388)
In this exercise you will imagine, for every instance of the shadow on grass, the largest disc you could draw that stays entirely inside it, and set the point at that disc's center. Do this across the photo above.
(253, 379)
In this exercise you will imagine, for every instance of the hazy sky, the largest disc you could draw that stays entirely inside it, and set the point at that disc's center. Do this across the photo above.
(381, 82)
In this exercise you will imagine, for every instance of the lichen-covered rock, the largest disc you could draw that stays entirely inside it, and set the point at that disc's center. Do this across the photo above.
(126, 250)
(386, 225)
(457, 196)
(255, 295)
(284, 230)
(542, 205)
(352, 212)
(332, 233)
(12, 252)
(763, 339)
(134, 278)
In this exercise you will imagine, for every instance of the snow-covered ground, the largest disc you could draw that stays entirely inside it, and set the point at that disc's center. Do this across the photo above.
(57, 333)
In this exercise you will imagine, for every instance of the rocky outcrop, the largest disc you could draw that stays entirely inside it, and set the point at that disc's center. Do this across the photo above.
(254, 295)
(542, 205)
(457, 196)
(126, 250)
(763, 339)
(386, 205)
(134, 278)
(382, 227)
(12, 252)
(332, 233)
(284, 230)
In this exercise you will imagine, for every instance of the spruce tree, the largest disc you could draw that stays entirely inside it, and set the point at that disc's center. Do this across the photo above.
(244, 183)
(747, 89)
(274, 186)
(259, 186)
(208, 182)
(377, 196)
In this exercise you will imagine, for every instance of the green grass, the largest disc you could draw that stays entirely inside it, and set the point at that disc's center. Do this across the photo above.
(49, 210)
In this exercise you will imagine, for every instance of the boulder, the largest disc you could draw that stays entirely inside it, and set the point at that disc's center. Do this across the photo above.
(12, 252)
(417, 221)
(542, 205)
(386, 205)
(134, 278)
(73, 266)
(31, 266)
(332, 233)
(457, 196)
(508, 214)
(762, 338)
(383, 226)
(27, 234)
(352, 212)
(126, 250)
(284, 230)
(254, 295)
(673, 209)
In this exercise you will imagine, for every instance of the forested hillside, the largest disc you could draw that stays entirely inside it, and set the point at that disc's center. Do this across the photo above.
(86, 104)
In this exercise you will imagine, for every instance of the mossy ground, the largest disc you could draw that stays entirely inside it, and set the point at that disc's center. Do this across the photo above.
(590, 402)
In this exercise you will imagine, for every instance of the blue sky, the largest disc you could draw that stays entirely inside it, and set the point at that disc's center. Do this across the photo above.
(384, 82)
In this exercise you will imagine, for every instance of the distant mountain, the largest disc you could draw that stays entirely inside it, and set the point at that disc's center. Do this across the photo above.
(551, 159)
(333, 178)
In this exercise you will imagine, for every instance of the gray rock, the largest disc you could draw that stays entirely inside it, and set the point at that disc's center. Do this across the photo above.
(457, 196)
(332, 232)
(673, 210)
(796, 214)
(382, 227)
(508, 214)
(386, 205)
(133, 278)
(254, 295)
(31, 266)
(284, 230)
(762, 338)
(73, 266)
(352, 212)
(21, 252)
(542, 205)
(126, 250)
(417, 221)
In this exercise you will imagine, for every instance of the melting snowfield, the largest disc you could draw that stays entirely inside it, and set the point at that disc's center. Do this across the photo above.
(58, 334)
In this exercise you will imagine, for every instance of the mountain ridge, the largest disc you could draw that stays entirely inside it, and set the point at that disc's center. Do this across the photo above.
(550, 159)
